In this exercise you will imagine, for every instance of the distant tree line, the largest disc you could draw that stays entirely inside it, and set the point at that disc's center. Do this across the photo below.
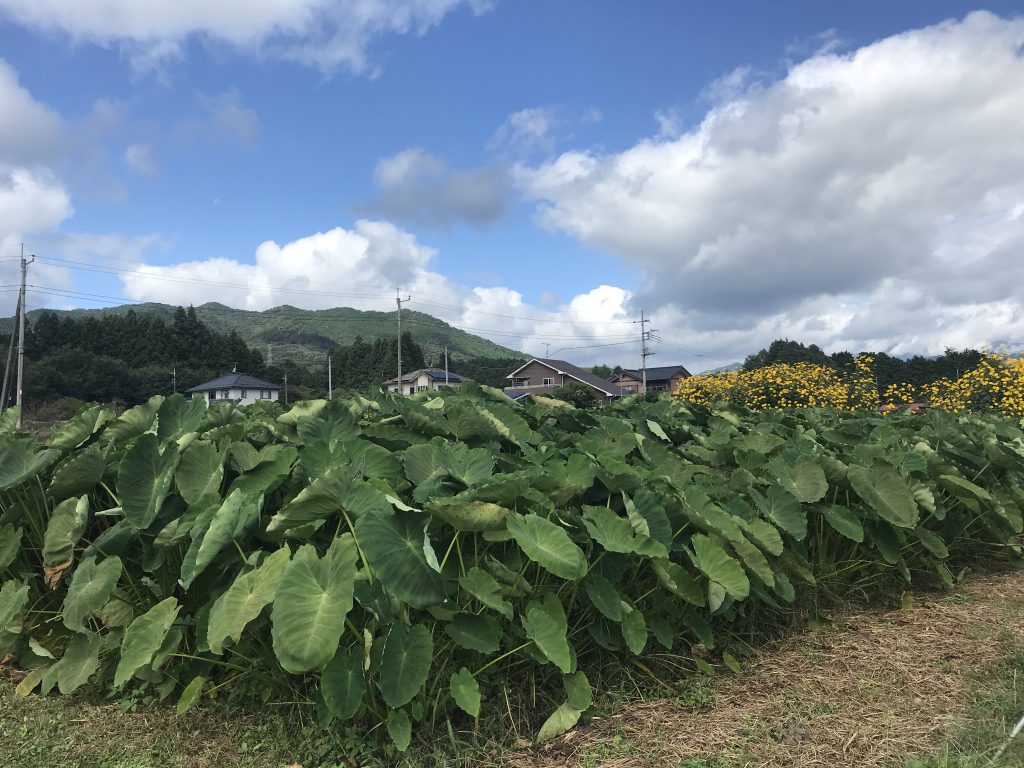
(917, 370)
(129, 358)
(362, 365)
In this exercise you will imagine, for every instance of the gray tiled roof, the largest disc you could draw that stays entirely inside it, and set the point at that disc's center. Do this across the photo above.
(661, 373)
(235, 381)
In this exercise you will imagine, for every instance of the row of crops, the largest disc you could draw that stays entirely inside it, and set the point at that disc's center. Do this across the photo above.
(409, 562)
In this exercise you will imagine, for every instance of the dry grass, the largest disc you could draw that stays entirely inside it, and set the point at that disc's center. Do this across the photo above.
(869, 690)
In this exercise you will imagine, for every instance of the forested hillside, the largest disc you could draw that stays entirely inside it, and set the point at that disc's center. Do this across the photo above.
(304, 336)
(131, 357)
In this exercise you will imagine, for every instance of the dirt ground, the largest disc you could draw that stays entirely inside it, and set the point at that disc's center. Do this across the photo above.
(869, 689)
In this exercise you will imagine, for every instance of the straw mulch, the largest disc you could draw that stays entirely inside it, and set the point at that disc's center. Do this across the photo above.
(868, 690)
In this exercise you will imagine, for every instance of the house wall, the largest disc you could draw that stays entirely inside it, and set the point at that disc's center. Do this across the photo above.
(241, 396)
(626, 381)
(537, 372)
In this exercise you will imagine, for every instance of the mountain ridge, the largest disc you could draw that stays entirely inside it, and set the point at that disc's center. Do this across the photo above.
(304, 335)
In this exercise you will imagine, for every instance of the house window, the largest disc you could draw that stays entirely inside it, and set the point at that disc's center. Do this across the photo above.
(523, 381)
(245, 394)
(549, 382)
(412, 390)
(421, 388)
(224, 394)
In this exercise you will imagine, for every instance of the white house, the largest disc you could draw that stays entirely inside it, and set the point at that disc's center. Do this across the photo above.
(423, 379)
(238, 388)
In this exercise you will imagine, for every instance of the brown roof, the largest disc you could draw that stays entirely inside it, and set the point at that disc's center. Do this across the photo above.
(562, 366)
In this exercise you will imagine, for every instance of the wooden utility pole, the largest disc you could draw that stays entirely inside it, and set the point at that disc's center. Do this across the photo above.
(399, 301)
(330, 383)
(645, 352)
(21, 331)
(446, 366)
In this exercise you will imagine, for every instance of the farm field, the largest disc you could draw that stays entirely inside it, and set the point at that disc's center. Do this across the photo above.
(952, 704)
(454, 570)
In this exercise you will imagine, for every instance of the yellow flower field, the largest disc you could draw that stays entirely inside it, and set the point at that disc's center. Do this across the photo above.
(997, 384)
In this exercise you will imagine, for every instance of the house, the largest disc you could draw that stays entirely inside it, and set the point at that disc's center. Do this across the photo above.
(239, 388)
(423, 379)
(542, 377)
(665, 378)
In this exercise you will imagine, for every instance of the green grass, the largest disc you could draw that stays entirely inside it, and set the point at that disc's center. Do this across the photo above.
(996, 703)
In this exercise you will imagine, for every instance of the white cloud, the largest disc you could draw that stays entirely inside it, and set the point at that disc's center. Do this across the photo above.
(525, 131)
(222, 119)
(141, 159)
(362, 266)
(324, 33)
(29, 130)
(415, 186)
(864, 199)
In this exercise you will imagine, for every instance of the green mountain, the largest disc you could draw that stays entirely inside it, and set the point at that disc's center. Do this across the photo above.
(304, 335)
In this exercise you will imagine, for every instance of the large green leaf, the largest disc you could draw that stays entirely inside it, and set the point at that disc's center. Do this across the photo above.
(230, 521)
(782, 508)
(546, 625)
(343, 682)
(79, 474)
(399, 554)
(274, 465)
(13, 599)
(143, 639)
(634, 631)
(477, 633)
(714, 562)
(144, 478)
(886, 491)
(328, 495)
(19, 460)
(10, 544)
(399, 729)
(65, 528)
(313, 598)
(405, 663)
(807, 479)
(77, 430)
(134, 421)
(468, 515)
(465, 691)
(616, 534)
(561, 720)
(244, 600)
(486, 589)
(91, 587)
(200, 471)
(548, 545)
(844, 520)
(604, 596)
(81, 658)
(177, 416)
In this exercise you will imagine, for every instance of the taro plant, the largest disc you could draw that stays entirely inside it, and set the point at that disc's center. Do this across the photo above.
(406, 562)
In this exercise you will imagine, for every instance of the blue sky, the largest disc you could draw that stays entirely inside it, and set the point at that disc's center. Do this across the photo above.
(510, 158)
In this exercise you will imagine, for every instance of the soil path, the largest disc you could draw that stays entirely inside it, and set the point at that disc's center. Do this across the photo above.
(869, 690)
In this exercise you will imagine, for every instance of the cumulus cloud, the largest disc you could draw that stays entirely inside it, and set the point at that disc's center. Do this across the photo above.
(327, 34)
(525, 131)
(361, 267)
(415, 186)
(29, 130)
(866, 198)
(221, 119)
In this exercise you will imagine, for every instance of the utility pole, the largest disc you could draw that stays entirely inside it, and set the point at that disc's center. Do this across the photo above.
(174, 380)
(399, 301)
(270, 355)
(286, 387)
(9, 368)
(645, 337)
(547, 346)
(21, 330)
(446, 366)
(330, 384)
